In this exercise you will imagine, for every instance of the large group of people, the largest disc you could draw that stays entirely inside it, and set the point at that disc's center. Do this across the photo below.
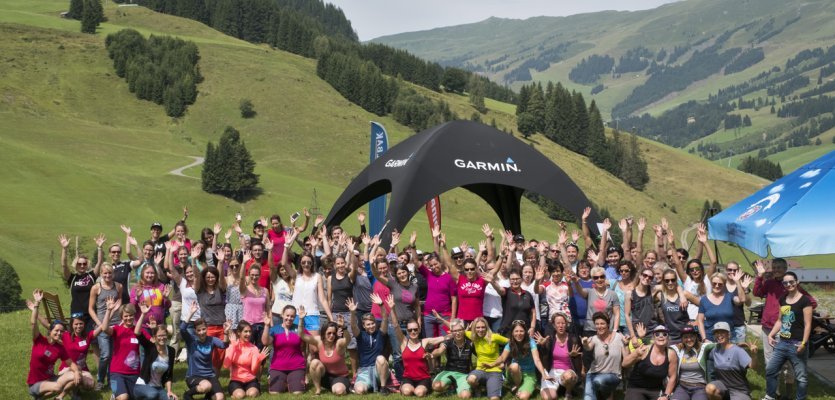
(328, 311)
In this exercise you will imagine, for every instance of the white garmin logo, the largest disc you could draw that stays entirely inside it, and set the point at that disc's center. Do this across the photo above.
(398, 163)
(508, 166)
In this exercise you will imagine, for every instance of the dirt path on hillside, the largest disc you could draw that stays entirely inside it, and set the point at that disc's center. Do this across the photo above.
(179, 171)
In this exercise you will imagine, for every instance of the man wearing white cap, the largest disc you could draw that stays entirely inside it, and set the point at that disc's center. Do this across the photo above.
(731, 364)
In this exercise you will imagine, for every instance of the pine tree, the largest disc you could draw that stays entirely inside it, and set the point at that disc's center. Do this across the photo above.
(91, 16)
(596, 141)
(536, 107)
(229, 169)
(524, 97)
(76, 10)
(578, 138)
(10, 291)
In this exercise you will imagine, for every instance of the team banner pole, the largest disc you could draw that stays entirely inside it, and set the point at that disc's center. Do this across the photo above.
(377, 206)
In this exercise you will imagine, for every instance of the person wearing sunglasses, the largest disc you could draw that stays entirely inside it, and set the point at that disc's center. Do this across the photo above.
(639, 304)
(769, 285)
(578, 301)
(234, 307)
(561, 354)
(716, 306)
(459, 354)
(416, 378)
(738, 281)
(330, 368)
(692, 366)
(651, 366)
(673, 306)
(600, 300)
(46, 350)
(730, 366)
(243, 360)
(793, 329)
(441, 293)
(606, 348)
(517, 303)
(629, 278)
(80, 282)
(697, 280)
(404, 292)
(488, 346)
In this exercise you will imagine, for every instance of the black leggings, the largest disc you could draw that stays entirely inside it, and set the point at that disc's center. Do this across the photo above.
(634, 393)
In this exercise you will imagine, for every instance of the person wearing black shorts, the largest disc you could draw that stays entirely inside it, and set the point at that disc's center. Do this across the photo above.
(200, 376)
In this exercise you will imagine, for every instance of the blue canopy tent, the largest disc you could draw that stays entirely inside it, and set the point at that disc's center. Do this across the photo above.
(793, 216)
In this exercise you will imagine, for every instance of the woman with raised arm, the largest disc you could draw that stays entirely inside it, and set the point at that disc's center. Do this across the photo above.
(310, 293)
(234, 308)
(124, 365)
(330, 369)
(562, 353)
(157, 372)
(738, 281)
(716, 306)
(793, 328)
(653, 366)
(488, 346)
(459, 353)
(77, 345)
(524, 359)
(673, 305)
(199, 258)
(606, 347)
(80, 282)
(492, 309)
(282, 275)
(254, 300)
(288, 366)
(46, 351)
(105, 289)
(200, 375)
(696, 280)
(517, 303)
(341, 288)
(416, 379)
(243, 360)
(629, 278)
(441, 282)
(600, 300)
(408, 306)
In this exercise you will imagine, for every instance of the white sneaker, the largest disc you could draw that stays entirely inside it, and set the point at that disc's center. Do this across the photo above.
(183, 356)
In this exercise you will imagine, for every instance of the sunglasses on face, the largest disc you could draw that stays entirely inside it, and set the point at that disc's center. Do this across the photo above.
(469, 269)
(599, 277)
(670, 280)
(733, 269)
(410, 330)
(648, 276)
(307, 262)
(81, 264)
(718, 284)
(625, 271)
(660, 334)
(116, 252)
(457, 257)
(693, 269)
(790, 283)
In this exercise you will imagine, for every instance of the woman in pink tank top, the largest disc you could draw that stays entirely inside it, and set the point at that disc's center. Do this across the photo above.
(330, 369)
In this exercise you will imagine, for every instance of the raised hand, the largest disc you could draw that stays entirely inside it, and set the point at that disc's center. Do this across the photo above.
(319, 219)
(464, 246)
(132, 240)
(144, 307)
(194, 307)
(623, 225)
(375, 298)
(576, 351)
(701, 233)
(365, 239)
(306, 213)
(760, 267)
(64, 240)
(99, 240)
(413, 238)
(488, 277)
(237, 227)
(665, 225)
(562, 238)
(607, 224)
(390, 301)
(640, 330)
(642, 224)
(482, 247)
(195, 252)
(541, 270)
(340, 320)
(361, 217)
(268, 244)
(152, 322)
(30, 305)
(302, 313)
(268, 320)
(351, 304)
(395, 238)
(228, 234)
(746, 280)
(125, 229)
(158, 258)
(436, 232)
(217, 228)
(264, 221)
(37, 294)
(112, 303)
(585, 341)
(540, 340)
(247, 256)
(185, 212)
(166, 290)
(486, 230)
(586, 213)
(659, 232)
(575, 236)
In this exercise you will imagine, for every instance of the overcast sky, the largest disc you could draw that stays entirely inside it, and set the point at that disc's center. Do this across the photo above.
(375, 18)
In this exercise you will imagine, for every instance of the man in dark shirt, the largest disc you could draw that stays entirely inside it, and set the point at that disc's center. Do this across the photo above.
(121, 270)
(370, 344)
(459, 353)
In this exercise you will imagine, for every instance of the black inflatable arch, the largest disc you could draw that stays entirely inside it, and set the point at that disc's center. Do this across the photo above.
(492, 164)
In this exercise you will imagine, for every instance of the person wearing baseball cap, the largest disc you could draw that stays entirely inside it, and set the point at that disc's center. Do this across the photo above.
(730, 366)
(692, 365)
(651, 366)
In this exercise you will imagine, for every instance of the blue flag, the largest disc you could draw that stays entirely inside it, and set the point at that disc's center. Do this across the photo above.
(377, 207)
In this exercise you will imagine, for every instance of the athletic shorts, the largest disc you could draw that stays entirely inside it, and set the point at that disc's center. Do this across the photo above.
(287, 381)
(329, 380)
(367, 376)
(35, 388)
(122, 384)
(458, 378)
(427, 383)
(235, 385)
(556, 383)
(528, 384)
(193, 381)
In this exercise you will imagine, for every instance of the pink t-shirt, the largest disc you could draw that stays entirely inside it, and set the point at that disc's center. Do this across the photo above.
(43, 358)
(77, 347)
(470, 298)
(278, 239)
(383, 291)
(151, 295)
(125, 358)
(439, 293)
(254, 306)
(561, 357)
(287, 350)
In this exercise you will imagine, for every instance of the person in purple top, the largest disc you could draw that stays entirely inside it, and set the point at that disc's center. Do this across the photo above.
(442, 290)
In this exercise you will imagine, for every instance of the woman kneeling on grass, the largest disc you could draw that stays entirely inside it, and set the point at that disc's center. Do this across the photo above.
(330, 368)
(416, 379)
(487, 347)
(157, 373)
(200, 376)
(243, 360)
(287, 368)
(524, 361)
(45, 352)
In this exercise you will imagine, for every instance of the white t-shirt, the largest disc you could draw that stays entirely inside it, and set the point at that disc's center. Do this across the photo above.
(693, 287)
(492, 301)
(189, 296)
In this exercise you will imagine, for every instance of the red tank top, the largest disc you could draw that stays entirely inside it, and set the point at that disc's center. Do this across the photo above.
(335, 364)
(414, 364)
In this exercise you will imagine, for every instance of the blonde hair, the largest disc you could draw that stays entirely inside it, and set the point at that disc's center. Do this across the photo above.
(488, 336)
(719, 275)
(129, 309)
(597, 270)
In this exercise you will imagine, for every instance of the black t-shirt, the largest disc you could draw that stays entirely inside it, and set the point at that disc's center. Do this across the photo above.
(341, 289)
(159, 245)
(791, 317)
(739, 310)
(121, 274)
(459, 359)
(516, 306)
(80, 285)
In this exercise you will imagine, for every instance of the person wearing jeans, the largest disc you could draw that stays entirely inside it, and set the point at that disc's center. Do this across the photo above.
(793, 327)
(601, 385)
(607, 350)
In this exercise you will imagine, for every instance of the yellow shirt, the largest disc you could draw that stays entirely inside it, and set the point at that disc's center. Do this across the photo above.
(488, 352)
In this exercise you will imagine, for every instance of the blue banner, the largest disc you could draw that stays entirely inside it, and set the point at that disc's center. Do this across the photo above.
(377, 207)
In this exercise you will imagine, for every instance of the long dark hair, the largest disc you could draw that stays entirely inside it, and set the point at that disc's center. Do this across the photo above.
(519, 350)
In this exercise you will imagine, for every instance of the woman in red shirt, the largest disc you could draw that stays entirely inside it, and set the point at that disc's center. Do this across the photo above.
(416, 379)
(46, 351)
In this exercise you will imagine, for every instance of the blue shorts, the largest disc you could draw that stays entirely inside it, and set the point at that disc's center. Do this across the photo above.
(311, 322)
(122, 384)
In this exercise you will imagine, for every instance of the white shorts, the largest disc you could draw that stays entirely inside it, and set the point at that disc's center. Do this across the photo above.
(557, 375)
